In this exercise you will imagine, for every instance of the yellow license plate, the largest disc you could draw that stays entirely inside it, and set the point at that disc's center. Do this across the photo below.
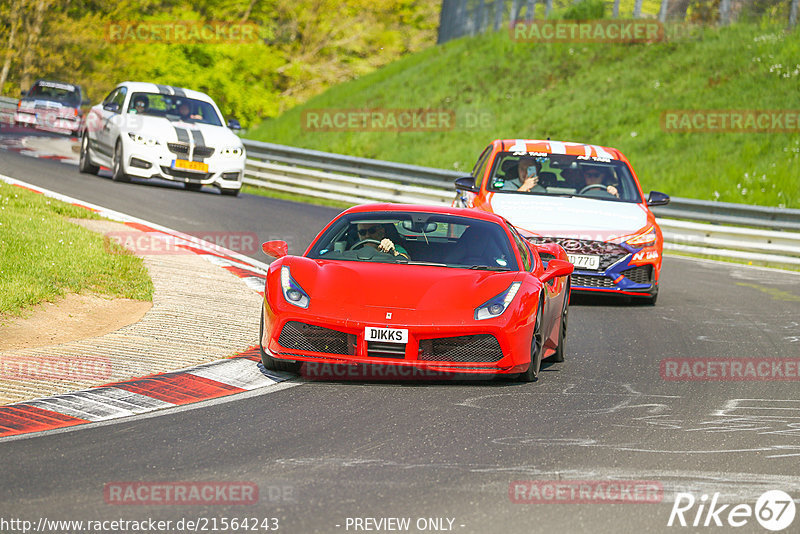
(186, 165)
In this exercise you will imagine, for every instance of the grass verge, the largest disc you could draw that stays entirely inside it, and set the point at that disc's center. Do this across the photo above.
(606, 94)
(43, 255)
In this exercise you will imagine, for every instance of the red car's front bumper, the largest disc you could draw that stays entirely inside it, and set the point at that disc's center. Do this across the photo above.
(489, 347)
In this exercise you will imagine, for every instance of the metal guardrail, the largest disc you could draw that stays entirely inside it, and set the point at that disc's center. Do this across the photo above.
(761, 233)
(362, 167)
(359, 180)
(7, 108)
(730, 213)
(678, 208)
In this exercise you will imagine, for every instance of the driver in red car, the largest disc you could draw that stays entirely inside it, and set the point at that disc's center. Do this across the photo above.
(379, 233)
(598, 176)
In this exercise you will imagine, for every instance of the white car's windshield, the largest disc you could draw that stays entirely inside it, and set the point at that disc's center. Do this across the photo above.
(174, 108)
(556, 174)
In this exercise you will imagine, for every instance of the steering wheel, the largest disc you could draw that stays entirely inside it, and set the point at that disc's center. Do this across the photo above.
(593, 186)
(364, 242)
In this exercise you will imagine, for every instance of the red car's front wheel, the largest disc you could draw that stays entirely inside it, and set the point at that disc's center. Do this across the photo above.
(532, 374)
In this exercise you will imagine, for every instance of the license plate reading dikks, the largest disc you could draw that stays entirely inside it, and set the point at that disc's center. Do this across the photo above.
(185, 165)
(584, 262)
(387, 335)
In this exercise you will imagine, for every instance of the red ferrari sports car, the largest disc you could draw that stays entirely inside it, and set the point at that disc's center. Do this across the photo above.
(448, 290)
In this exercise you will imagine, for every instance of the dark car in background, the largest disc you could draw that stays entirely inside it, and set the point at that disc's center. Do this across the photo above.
(52, 106)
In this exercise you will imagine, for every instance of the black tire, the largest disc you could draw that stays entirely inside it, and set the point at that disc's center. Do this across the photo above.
(268, 361)
(653, 298)
(532, 374)
(649, 300)
(192, 187)
(117, 172)
(558, 356)
(85, 163)
(229, 192)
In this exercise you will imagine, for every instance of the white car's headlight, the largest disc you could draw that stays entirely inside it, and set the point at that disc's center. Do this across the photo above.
(231, 152)
(292, 291)
(495, 306)
(142, 140)
(644, 238)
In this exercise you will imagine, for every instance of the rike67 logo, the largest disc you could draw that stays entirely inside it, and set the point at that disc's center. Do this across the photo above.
(774, 510)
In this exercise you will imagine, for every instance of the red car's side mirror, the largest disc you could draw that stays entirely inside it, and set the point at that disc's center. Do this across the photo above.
(557, 268)
(554, 249)
(276, 249)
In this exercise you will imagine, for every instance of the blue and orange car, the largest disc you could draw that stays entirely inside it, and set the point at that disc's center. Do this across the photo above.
(586, 198)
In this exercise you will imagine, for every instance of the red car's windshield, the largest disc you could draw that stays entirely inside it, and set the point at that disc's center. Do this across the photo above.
(417, 238)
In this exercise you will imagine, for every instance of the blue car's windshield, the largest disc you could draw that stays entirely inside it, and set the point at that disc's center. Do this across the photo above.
(556, 174)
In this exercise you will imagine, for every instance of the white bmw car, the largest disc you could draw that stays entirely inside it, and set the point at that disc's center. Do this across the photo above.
(146, 130)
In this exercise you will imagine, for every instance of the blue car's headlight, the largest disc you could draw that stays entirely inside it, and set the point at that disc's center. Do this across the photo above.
(292, 291)
(497, 305)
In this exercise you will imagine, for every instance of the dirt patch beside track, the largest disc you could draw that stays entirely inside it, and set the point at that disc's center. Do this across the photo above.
(72, 318)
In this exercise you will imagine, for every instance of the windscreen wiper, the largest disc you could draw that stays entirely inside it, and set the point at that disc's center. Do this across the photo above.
(412, 262)
(489, 268)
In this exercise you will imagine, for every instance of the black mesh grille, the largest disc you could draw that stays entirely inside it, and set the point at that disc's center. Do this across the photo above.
(301, 336)
(477, 348)
(584, 280)
(178, 148)
(610, 253)
(642, 274)
(197, 176)
(183, 148)
(380, 349)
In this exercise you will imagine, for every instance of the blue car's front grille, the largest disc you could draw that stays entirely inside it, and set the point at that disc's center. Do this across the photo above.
(610, 253)
(643, 274)
(584, 280)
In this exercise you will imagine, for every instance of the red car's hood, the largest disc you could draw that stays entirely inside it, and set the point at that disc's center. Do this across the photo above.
(364, 290)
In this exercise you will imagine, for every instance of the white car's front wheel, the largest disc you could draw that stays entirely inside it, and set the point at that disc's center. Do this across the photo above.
(118, 170)
(85, 163)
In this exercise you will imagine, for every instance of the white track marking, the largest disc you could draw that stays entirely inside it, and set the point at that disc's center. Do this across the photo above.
(100, 404)
(240, 372)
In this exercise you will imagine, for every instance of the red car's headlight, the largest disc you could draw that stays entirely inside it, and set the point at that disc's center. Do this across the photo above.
(495, 306)
(292, 292)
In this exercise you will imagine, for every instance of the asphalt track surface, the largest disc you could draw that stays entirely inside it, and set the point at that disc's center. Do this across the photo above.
(323, 452)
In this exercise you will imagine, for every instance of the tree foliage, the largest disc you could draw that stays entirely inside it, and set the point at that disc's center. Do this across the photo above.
(303, 46)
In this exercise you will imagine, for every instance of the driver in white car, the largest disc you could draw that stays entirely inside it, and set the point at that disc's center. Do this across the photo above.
(377, 232)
